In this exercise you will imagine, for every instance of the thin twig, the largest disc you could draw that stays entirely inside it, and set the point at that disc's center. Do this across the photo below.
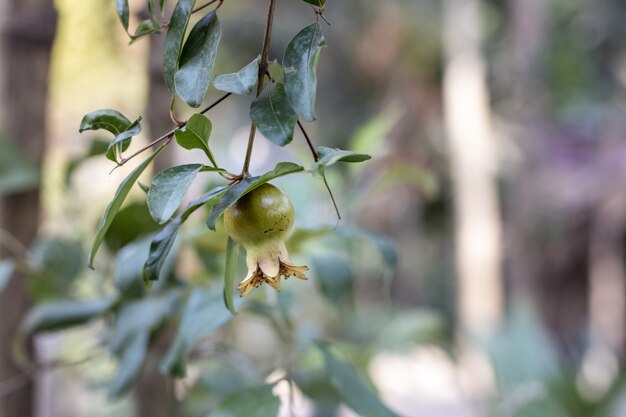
(316, 158)
(169, 134)
(261, 77)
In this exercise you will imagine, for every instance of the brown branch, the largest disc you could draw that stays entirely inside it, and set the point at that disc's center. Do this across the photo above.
(316, 158)
(197, 9)
(262, 70)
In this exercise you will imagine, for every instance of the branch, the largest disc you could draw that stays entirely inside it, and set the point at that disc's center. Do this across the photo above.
(316, 158)
(261, 77)
(197, 9)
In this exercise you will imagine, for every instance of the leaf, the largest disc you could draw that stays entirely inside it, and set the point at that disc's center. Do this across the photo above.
(131, 222)
(159, 249)
(114, 122)
(196, 60)
(168, 190)
(232, 262)
(334, 277)
(114, 206)
(240, 189)
(129, 366)
(17, 174)
(299, 64)
(195, 135)
(58, 262)
(162, 243)
(250, 402)
(352, 389)
(122, 12)
(240, 82)
(329, 156)
(56, 315)
(6, 270)
(203, 314)
(174, 40)
(145, 27)
(143, 315)
(273, 115)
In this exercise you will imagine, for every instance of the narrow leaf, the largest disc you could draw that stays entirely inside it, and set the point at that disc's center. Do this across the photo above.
(122, 140)
(196, 60)
(329, 156)
(240, 189)
(250, 402)
(6, 270)
(232, 262)
(145, 27)
(168, 190)
(195, 135)
(56, 315)
(300, 64)
(159, 249)
(174, 40)
(129, 365)
(203, 314)
(352, 389)
(240, 82)
(318, 3)
(121, 7)
(273, 115)
(115, 204)
(162, 243)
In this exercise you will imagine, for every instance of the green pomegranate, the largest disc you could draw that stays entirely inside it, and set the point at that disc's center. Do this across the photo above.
(260, 221)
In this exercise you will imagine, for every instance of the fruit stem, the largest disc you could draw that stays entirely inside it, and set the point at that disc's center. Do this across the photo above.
(261, 77)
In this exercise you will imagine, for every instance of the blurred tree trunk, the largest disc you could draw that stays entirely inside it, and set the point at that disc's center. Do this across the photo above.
(473, 163)
(154, 399)
(26, 35)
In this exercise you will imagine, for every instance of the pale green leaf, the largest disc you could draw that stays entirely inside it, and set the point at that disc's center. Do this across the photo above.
(121, 6)
(195, 135)
(230, 273)
(299, 65)
(240, 82)
(196, 60)
(168, 190)
(250, 402)
(129, 366)
(56, 315)
(174, 40)
(329, 156)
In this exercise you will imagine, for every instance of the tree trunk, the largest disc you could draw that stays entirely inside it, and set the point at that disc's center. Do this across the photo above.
(473, 163)
(26, 35)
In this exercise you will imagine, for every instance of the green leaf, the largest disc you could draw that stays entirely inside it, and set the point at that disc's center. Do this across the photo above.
(162, 243)
(334, 277)
(299, 64)
(56, 315)
(195, 135)
(232, 263)
(174, 40)
(58, 262)
(196, 60)
(159, 249)
(240, 189)
(114, 122)
(251, 402)
(131, 222)
(114, 206)
(329, 156)
(273, 115)
(168, 190)
(17, 174)
(352, 389)
(6, 270)
(241, 82)
(122, 12)
(145, 27)
(143, 315)
(203, 314)
(129, 366)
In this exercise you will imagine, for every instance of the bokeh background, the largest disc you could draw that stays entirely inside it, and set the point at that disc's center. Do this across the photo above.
(481, 250)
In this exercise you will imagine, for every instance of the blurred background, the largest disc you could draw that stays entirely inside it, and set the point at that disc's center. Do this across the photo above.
(478, 270)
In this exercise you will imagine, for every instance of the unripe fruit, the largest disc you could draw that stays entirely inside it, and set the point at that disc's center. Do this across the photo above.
(260, 221)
